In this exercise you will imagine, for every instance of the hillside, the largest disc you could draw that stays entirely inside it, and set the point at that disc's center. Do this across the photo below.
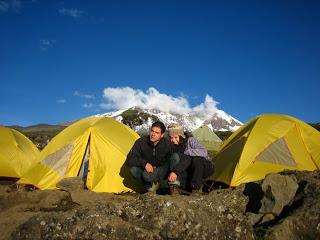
(315, 125)
(40, 134)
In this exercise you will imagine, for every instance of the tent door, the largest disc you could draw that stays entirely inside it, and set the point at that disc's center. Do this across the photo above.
(83, 172)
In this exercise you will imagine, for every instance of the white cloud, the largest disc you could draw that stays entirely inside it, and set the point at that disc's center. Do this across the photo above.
(44, 44)
(82, 95)
(72, 12)
(87, 105)
(126, 97)
(207, 108)
(61, 100)
(13, 5)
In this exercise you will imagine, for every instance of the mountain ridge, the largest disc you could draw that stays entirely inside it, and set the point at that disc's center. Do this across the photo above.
(141, 119)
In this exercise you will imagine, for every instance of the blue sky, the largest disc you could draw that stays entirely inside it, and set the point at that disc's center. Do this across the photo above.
(60, 60)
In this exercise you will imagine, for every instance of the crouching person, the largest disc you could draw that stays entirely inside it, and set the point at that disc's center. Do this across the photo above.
(149, 158)
(200, 166)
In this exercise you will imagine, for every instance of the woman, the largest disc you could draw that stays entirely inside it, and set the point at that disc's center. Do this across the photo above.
(200, 166)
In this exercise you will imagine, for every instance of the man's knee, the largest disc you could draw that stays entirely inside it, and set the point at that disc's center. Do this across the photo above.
(136, 172)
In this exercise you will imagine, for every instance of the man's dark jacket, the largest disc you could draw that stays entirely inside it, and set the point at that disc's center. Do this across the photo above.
(143, 152)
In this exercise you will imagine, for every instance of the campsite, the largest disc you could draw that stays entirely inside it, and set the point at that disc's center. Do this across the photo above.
(50, 200)
(165, 120)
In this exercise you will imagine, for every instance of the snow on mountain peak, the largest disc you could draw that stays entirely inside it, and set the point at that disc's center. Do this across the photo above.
(220, 121)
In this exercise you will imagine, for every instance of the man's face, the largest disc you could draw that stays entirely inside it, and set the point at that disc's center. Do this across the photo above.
(155, 134)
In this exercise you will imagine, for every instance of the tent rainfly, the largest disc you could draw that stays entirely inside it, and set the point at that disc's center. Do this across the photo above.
(94, 149)
(267, 144)
(17, 153)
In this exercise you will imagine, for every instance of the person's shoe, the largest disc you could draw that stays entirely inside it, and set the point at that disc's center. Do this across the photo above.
(174, 189)
(155, 186)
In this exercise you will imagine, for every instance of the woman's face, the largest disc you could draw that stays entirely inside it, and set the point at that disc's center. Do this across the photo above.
(174, 139)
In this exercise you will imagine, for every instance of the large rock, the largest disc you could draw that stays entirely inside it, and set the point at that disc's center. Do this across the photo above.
(279, 191)
(301, 220)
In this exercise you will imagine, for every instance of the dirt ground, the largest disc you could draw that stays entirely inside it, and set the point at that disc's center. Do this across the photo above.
(221, 214)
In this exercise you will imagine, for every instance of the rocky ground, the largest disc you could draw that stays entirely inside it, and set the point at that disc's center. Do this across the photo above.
(283, 206)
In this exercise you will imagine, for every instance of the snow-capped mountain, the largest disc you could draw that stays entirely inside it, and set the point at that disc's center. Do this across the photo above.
(141, 119)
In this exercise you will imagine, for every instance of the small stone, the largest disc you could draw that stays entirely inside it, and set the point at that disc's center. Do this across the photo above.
(238, 229)
(229, 216)
(221, 209)
(59, 227)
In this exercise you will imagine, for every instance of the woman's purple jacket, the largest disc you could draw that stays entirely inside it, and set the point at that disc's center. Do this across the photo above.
(195, 148)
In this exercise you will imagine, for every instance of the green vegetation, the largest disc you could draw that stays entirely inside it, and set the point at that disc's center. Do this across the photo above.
(40, 134)
(223, 135)
(134, 118)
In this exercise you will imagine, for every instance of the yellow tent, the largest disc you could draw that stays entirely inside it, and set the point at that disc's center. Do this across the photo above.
(267, 144)
(95, 147)
(17, 153)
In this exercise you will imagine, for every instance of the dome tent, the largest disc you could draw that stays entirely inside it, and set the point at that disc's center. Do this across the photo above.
(208, 138)
(17, 153)
(93, 148)
(266, 144)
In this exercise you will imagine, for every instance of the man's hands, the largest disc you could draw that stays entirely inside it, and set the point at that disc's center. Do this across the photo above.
(172, 177)
(149, 168)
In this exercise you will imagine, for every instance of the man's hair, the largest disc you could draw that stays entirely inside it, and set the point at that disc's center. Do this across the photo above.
(159, 125)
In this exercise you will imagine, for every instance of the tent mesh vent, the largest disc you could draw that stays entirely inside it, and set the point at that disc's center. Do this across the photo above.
(277, 153)
(59, 160)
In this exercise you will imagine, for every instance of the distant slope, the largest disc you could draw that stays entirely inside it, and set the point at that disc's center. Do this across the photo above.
(315, 125)
(40, 134)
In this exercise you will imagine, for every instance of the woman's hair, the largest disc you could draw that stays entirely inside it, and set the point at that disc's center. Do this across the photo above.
(188, 134)
(183, 141)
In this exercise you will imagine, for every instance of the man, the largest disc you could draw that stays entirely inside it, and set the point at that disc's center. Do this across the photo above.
(149, 158)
